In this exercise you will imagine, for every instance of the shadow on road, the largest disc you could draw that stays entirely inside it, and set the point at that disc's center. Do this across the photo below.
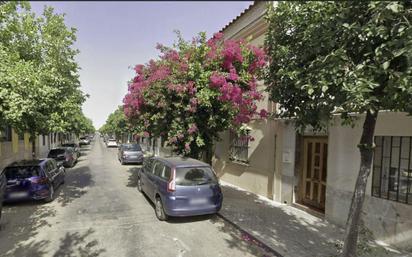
(77, 182)
(20, 223)
(133, 176)
(77, 244)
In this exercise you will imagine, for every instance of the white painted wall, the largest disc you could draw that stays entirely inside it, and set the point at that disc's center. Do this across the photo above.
(388, 220)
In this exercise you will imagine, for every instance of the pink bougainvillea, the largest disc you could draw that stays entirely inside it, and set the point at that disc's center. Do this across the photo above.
(196, 90)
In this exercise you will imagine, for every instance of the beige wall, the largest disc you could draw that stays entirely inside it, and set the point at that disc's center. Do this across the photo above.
(259, 175)
(389, 221)
(11, 151)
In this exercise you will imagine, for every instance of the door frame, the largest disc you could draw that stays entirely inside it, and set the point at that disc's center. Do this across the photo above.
(302, 176)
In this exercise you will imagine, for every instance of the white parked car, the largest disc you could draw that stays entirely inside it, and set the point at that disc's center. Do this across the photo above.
(111, 143)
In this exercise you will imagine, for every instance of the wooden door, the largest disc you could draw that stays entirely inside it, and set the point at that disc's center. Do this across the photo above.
(315, 172)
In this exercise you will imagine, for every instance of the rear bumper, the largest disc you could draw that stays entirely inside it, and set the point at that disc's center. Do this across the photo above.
(185, 211)
(37, 195)
(138, 159)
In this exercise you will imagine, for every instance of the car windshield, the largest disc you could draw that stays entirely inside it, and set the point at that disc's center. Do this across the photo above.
(56, 152)
(134, 147)
(22, 172)
(195, 176)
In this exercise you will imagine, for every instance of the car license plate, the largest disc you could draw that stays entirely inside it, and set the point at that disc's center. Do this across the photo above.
(18, 195)
(198, 201)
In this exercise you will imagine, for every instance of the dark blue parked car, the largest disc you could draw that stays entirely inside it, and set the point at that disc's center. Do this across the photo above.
(180, 187)
(33, 180)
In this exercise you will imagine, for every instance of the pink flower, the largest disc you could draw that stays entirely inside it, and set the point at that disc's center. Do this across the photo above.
(146, 134)
(139, 69)
(218, 35)
(193, 102)
(191, 87)
(263, 114)
(192, 129)
(233, 75)
(187, 147)
(180, 136)
(184, 67)
(217, 80)
(231, 53)
(172, 55)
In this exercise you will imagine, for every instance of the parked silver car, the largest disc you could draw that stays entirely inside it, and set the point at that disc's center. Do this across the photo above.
(130, 153)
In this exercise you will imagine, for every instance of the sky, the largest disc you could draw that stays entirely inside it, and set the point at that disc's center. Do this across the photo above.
(115, 36)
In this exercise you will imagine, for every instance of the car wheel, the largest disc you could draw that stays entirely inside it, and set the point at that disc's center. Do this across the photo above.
(160, 212)
(51, 195)
(139, 185)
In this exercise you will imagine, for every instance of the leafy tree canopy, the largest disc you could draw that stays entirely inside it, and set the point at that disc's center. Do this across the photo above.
(339, 57)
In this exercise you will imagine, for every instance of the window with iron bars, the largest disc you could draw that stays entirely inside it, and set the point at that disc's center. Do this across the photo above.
(5, 133)
(239, 147)
(392, 168)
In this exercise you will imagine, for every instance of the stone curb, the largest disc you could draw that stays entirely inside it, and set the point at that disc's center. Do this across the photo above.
(261, 244)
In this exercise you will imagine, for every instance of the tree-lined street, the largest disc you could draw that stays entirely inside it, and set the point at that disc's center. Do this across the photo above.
(99, 212)
(284, 107)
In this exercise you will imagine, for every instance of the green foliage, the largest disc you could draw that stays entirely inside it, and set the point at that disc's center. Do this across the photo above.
(339, 57)
(39, 82)
(195, 91)
(116, 124)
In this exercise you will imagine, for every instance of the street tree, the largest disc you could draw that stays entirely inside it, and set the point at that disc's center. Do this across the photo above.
(341, 58)
(39, 77)
(194, 91)
(116, 124)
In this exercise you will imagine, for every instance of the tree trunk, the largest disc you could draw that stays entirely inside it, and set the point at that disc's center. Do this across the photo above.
(33, 146)
(366, 151)
(208, 154)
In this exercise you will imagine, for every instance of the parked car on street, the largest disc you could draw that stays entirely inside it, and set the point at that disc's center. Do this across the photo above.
(75, 147)
(33, 180)
(180, 187)
(84, 141)
(111, 143)
(64, 156)
(130, 153)
(3, 182)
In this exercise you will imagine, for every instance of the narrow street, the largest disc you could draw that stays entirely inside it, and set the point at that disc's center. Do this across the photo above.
(99, 212)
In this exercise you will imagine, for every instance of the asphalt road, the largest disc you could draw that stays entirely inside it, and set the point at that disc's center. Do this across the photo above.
(99, 212)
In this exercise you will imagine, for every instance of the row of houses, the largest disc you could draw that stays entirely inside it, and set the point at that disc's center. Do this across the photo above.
(317, 171)
(14, 146)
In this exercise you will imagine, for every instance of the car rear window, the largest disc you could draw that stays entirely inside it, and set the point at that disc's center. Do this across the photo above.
(132, 148)
(195, 176)
(22, 172)
(56, 152)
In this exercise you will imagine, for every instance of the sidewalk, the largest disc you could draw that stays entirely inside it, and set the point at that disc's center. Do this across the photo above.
(289, 231)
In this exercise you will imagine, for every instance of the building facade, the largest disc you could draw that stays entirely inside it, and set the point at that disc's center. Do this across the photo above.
(317, 171)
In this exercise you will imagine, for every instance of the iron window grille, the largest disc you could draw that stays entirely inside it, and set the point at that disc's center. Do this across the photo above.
(239, 147)
(6, 133)
(392, 168)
